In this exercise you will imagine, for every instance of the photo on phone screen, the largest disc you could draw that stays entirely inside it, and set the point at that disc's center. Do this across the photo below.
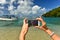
(33, 22)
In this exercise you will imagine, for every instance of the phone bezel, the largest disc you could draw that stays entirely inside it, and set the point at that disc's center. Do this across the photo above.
(38, 22)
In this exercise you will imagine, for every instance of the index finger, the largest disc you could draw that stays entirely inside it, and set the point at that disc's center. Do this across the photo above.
(25, 21)
(38, 19)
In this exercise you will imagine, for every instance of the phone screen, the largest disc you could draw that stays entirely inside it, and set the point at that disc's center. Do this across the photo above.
(33, 22)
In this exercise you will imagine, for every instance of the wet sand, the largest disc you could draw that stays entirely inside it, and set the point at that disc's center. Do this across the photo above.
(12, 33)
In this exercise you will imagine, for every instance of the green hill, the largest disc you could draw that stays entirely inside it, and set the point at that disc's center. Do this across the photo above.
(53, 13)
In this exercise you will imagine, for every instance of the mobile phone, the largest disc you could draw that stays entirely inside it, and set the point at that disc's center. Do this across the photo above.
(33, 23)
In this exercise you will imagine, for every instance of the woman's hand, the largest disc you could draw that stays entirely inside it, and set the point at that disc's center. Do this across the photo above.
(24, 27)
(48, 31)
(43, 27)
(24, 30)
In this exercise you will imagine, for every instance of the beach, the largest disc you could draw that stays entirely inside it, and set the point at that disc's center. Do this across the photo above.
(12, 32)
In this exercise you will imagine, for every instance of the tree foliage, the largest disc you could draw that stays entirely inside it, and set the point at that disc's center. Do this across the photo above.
(53, 13)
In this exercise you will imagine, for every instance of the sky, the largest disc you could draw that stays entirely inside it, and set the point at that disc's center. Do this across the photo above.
(48, 4)
(27, 7)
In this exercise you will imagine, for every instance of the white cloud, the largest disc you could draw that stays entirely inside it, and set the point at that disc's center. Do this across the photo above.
(43, 10)
(1, 7)
(2, 1)
(10, 8)
(35, 9)
(1, 12)
(21, 2)
(12, 1)
(25, 7)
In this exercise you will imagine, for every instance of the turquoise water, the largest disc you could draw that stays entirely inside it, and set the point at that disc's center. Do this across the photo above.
(10, 30)
(54, 24)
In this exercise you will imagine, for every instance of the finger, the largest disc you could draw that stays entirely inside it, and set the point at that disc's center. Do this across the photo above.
(37, 18)
(25, 20)
(40, 16)
(41, 27)
(37, 26)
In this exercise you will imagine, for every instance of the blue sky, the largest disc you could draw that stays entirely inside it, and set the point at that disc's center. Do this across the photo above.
(48, 4)
(26, 7)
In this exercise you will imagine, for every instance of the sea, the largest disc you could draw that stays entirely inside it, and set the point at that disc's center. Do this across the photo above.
(10, 30)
